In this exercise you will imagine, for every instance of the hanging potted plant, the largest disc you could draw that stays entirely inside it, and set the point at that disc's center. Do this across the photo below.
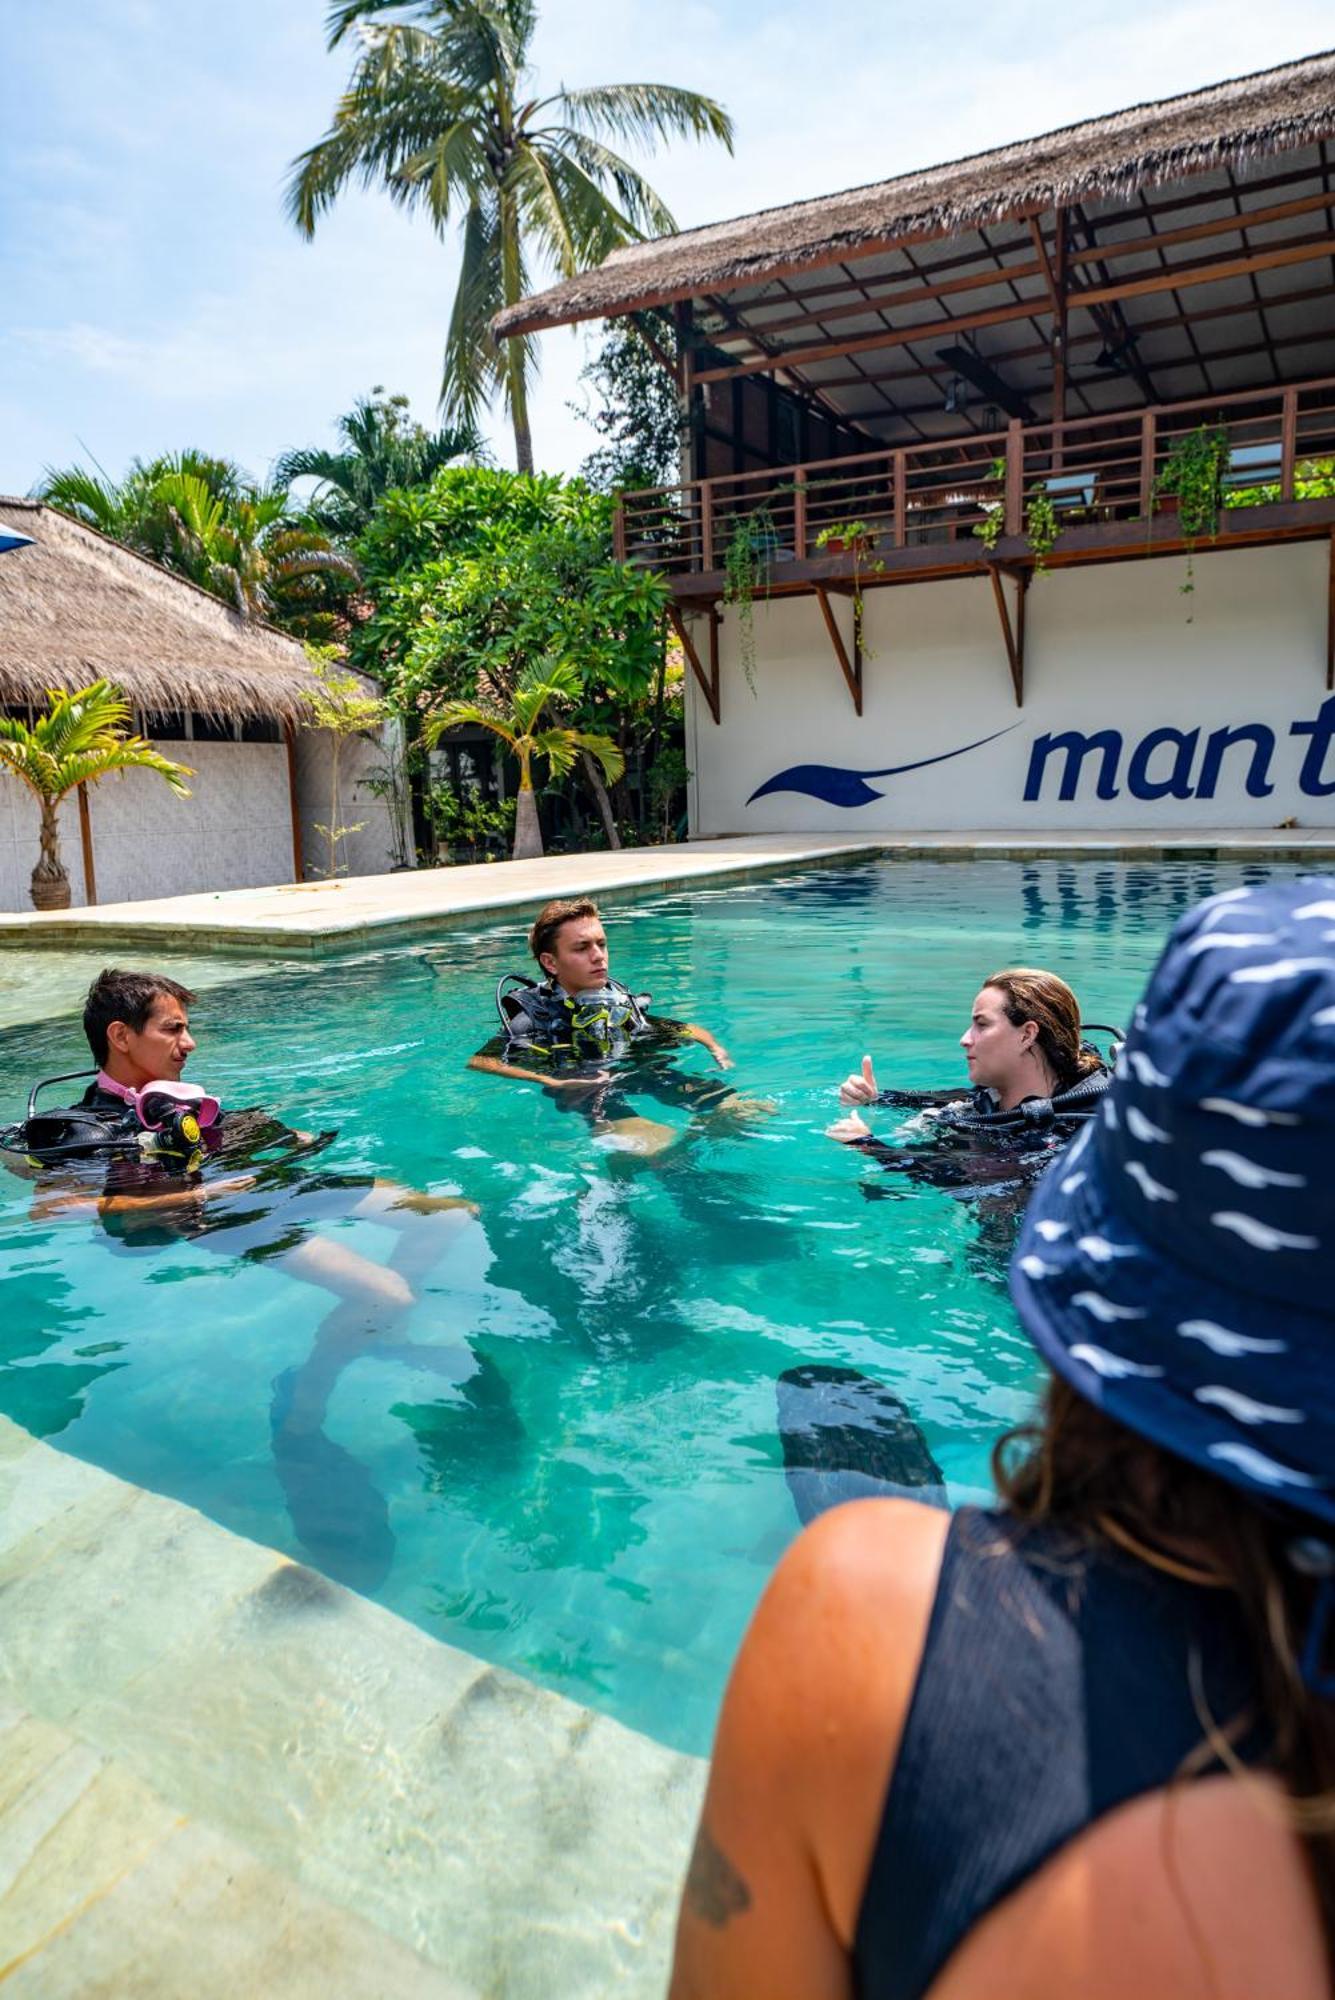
(751, 543)
(1192, 479)
(852, 538)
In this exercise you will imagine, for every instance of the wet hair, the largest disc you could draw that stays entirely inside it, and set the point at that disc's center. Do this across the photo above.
(1049, 1002)
(552, 916)
(128, 997)
(1079, 1470)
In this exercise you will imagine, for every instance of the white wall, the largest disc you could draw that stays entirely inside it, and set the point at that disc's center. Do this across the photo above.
(369, 852)
(233, 832)
(1107, 648)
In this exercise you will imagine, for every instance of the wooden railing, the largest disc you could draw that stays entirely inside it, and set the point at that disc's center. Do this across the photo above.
(1091, 469)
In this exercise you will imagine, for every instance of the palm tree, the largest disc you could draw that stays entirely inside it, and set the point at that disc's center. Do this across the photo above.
(203, 518)
(81, 739)
(520, 733)
(382, 449)
(440, 112)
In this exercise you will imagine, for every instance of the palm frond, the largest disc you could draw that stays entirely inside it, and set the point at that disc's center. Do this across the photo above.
(644, 113)
(606, 750)
(458, 715)
(474, 366)
(586, 169)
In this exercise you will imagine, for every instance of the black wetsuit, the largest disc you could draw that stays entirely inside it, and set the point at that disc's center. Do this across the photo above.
(574, 1036)
(1056, 1684)
(973, 1147)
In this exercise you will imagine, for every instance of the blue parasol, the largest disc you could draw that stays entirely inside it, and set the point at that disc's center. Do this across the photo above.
(10, 538)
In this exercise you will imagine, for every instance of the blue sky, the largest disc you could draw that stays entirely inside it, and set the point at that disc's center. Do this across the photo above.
(153, 296)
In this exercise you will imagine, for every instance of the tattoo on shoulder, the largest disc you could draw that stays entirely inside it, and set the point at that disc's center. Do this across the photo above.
(715, 1891)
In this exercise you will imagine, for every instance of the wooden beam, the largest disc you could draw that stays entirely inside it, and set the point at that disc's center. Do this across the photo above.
(86, 842)
(851, 669)
(1045, 264)
(709, 682)
(887, 301)
(1180, 277)
(1014, 639)
(931, 330)
(293, 805)
(1058, 341)
(1224, 225)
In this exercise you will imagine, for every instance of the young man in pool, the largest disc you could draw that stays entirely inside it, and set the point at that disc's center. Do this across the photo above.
(173, 1163)
(589, 1040)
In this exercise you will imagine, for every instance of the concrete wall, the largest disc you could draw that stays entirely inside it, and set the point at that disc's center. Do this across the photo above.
(233, 832)
(369, 852)
(1109, 649)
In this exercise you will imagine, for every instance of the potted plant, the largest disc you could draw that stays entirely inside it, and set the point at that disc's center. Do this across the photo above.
(1192, 480)
(852, 538)
(81, 739)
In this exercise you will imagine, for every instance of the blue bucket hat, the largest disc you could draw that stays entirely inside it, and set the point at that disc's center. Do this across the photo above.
(1177, 1262)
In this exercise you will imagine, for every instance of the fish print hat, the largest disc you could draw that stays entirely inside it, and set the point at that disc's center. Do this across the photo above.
(1177, 1262)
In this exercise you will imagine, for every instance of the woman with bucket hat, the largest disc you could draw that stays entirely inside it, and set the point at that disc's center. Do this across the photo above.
(1084, 1744)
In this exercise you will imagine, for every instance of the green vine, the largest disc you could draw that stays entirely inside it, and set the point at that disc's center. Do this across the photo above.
(855, 538)
(1041, 525)
(745, 565)
(1193, 473)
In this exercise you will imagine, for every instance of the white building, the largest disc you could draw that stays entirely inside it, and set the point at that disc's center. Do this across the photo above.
(1112, 351)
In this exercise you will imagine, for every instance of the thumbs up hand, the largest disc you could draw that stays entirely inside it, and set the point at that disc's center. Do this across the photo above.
(862, 1089)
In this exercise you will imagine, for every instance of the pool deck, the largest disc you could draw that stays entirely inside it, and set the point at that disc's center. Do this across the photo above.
(319, 917)
(222, 1774)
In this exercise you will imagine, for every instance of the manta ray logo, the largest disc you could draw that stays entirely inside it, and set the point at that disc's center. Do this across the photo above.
(838, 787)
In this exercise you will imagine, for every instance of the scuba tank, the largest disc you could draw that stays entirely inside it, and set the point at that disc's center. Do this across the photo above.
(590, 1025)
(162, 1121)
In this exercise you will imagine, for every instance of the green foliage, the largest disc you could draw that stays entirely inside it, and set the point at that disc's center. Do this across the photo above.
(856, 539)
(442, 112)
(667, 782)
(1041, 527)
(484, 574)
(382, 448)
(638, 411)
(992, 526)
(474, 824)
(1194, 473)
(751, 540)
(1313, 479)
(203, 518)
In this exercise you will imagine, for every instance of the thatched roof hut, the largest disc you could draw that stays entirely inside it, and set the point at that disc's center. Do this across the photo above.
(1229, 125)
(76, 607)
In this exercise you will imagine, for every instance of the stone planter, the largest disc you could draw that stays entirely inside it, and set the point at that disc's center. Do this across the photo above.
(49, 895)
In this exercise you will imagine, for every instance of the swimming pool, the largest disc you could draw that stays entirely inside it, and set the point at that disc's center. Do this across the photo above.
(564, 1457)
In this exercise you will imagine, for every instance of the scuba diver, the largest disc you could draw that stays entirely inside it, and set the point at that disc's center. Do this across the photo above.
(593, 1043)
(1033, 1081)
(158, 1159)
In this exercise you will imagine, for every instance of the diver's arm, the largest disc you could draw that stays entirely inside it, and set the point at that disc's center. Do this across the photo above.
(690, 1031)
(120, 1204)
(493, 1066)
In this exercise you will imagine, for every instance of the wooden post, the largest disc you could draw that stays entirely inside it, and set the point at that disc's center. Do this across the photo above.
(800, 516)
(294, 808)
(619, 530)
(706, 524)
(1015, 477)
(86, 841)
(1059, 252)
(899, 482)
(1147, 465)
(1288, 449)
(850, 669)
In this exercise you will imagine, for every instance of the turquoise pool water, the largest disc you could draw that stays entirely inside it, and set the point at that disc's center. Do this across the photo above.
(563, 1456)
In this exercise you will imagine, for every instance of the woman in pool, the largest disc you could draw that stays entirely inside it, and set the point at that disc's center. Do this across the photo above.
(1085, 1743)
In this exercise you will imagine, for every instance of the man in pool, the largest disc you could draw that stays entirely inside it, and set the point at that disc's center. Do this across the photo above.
(590, 1041)
(171, 1162)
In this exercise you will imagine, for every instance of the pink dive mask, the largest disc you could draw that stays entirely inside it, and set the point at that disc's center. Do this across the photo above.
(154, 1103)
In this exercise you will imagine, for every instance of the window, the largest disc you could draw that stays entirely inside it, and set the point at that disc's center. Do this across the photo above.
(261, 729)
(166, 725)
(212, 728)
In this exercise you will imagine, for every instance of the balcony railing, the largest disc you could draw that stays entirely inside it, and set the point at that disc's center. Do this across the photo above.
(1092, 470)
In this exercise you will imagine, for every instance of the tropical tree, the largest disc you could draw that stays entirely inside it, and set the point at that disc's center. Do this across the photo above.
(203, 518)
(442, 113)
(540, 687)
(343, 706)
(382, 449)
(637, 410)
(81, 739)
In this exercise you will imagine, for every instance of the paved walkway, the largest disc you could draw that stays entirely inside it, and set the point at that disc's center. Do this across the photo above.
(370, 909)
(221, 1774)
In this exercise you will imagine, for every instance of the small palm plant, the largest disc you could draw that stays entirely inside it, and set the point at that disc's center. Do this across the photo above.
(541, 686)
(82, 738)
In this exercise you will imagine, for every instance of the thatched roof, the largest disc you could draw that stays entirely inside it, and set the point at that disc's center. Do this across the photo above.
(76, 607)
(1226, 125)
